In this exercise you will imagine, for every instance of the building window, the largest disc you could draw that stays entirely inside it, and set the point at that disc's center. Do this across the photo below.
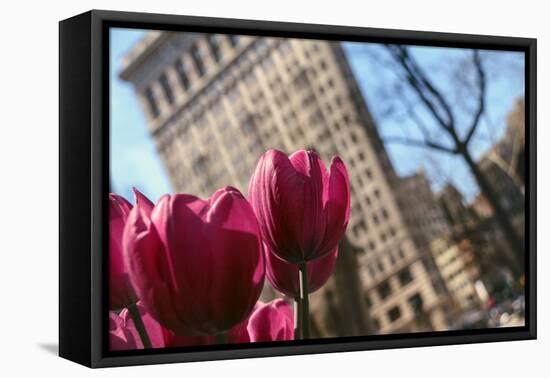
(247, 126)
(359, 228)
(153, 107)
(376, 324)
(367, 200)
(372, 245)
(372, 271)
(200, 164)
(182, 74)
(166, 89)
(416, 302)
(394, 314)
(214, 45)
(197, 60)
(368, 302)
(405, 276)
(233, 40)
(384, 290)
(285, 47)
(401, 253)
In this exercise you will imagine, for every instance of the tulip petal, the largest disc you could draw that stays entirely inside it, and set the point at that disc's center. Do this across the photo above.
(312, 170)
(273, 321)
(121, 293)
(285, 277)
(190, 256)
(120, 338)
(152, 327)
(144, 202)
(276, 193)
(337, 207)
(231, 222)
(146, 261)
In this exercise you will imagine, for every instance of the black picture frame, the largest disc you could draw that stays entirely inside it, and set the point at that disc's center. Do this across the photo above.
(84, 185)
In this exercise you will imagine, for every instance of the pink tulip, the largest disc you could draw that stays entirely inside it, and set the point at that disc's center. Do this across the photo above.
(121, 293)
(285, 277)
(268, 322)
(153, 328)
(120, 338)
(197, 265)
(302, 208)
(273, 321)
(123, 334)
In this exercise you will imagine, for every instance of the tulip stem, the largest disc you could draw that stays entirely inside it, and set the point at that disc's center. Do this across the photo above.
(140, 327)
(303, 303)
(297, 317)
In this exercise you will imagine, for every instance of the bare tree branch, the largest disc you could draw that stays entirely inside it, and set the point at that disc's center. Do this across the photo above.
(419, 143)
(420, 83)
(429, 85)
(409, 107)
(481, 96)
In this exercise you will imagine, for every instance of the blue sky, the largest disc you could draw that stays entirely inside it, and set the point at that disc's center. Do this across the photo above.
(135, 162)
(134, 159)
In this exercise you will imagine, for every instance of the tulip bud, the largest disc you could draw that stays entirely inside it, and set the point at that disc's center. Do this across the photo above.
(302, 209)
(273, 321)
(197, 265)
(154, 330)
(123, 334)
(285, 277)
(121, 292)
(120, 338)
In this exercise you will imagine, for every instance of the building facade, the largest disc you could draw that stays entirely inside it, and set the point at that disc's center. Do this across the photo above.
(426, 219)
(215, 103)
(458, 269)
(503, 164)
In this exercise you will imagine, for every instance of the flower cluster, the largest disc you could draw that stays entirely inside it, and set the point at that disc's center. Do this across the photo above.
(189, 271)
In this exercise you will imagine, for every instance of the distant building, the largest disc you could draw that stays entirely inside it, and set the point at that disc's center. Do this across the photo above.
(482, 207)
(426, 219)
(502, 163)
(215, 103)
(459, 215)
(459, 270)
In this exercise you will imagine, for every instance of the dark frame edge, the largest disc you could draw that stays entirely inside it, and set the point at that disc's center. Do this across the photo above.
(531, 169)
(99, 18)
(75, 336)
(294, 350)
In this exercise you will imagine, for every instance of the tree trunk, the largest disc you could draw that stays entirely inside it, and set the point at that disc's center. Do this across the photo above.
(514, 241)
(350, 293)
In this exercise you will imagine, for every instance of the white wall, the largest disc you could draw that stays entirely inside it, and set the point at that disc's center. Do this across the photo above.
(29, 189)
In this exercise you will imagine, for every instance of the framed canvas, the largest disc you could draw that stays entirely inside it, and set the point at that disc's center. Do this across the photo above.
(235, 188)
